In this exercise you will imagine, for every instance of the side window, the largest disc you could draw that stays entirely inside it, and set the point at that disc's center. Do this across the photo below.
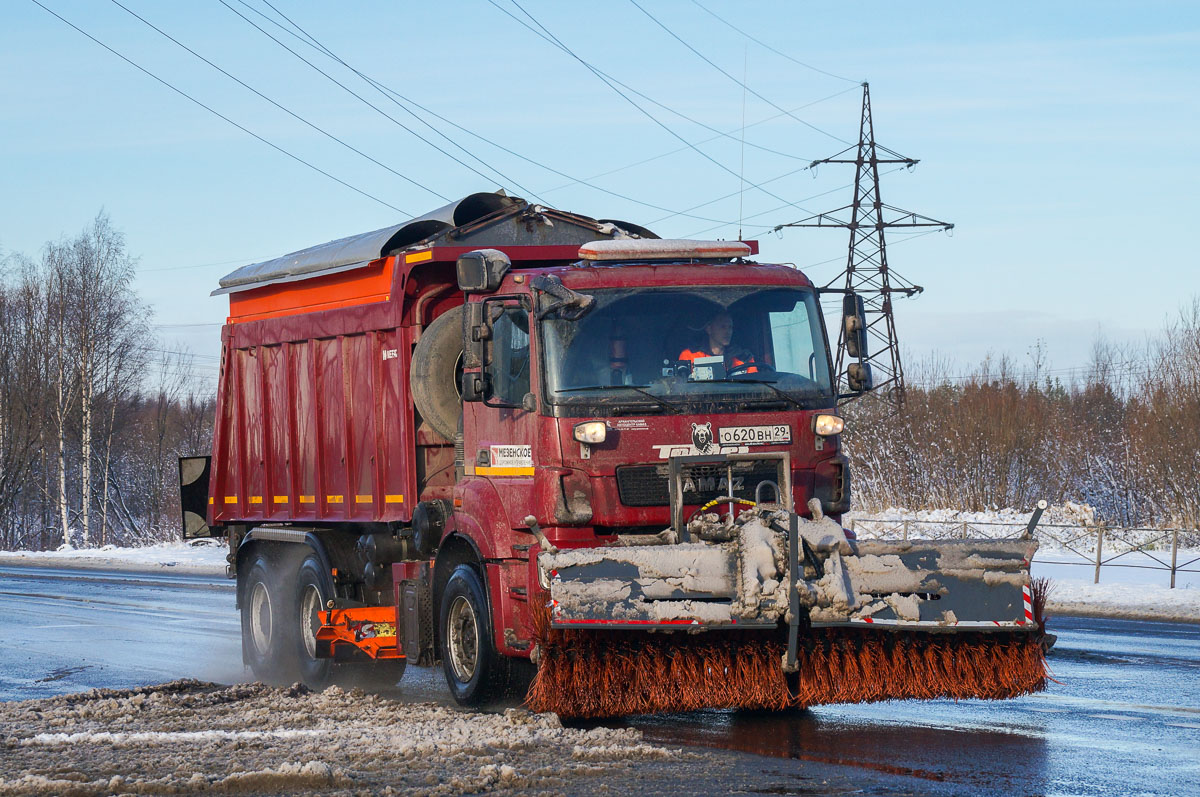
(509, 363)
(792, 335)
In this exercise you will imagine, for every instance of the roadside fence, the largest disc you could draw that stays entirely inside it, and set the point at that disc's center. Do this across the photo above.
(1172, 551)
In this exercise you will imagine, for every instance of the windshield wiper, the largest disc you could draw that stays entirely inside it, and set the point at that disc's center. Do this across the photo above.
(675, 408)
(777, 391)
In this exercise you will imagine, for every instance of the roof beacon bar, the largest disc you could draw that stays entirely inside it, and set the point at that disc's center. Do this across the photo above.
(664, 249)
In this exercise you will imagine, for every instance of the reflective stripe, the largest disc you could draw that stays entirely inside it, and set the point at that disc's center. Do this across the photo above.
(492, 471)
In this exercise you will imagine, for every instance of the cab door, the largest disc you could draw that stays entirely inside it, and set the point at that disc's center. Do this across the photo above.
(499, 433)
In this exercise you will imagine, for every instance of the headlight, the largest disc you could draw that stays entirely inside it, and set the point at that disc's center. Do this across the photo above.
(824, 425)
(591, 432)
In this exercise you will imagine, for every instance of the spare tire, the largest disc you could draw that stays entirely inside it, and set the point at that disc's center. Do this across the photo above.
(435, 378)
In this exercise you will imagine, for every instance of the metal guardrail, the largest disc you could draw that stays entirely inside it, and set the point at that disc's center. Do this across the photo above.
(1096, 546)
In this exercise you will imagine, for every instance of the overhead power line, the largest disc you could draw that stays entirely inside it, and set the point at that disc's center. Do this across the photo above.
(766, 46)
(612, 85)
(726, 134)
(217, 113)
(278, 105)
(399, 99)
(385, 114)
(549, 37)
(741, 83)
(771, 227)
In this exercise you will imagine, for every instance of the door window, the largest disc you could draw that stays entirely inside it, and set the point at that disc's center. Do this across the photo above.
(508, 368)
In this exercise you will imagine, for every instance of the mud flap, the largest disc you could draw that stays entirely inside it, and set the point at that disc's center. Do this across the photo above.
(193, 498)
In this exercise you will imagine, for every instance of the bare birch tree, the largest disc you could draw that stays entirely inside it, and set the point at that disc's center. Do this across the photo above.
(110, 337)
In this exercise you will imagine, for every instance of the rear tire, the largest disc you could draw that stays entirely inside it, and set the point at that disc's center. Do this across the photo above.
(311, 589)
(264, 622)
(475, 671)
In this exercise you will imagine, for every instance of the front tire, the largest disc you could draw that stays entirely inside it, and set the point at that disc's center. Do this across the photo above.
(475, 671)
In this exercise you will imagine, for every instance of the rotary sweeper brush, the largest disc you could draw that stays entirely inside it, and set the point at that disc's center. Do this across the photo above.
(772, 611)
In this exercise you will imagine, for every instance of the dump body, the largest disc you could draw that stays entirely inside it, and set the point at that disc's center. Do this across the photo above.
(314, 419)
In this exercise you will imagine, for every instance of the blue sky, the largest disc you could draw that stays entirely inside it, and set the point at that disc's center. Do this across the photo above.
(1060, 139)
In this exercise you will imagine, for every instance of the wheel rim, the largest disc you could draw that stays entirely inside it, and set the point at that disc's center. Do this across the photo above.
(310, 619)
(463, 638)
(260, 617)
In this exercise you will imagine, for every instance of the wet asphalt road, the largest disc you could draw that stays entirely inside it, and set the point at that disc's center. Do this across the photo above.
(1124, 717)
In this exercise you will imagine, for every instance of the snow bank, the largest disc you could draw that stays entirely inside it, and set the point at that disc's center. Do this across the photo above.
(1067, 514)
(189, 737)
(1129, 592)
(198, 557)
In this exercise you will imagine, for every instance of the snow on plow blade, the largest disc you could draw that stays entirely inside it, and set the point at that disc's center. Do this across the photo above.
(859, 621)
(739, 579)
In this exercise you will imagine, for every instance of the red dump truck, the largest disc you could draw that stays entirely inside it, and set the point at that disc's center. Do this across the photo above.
(517, 440)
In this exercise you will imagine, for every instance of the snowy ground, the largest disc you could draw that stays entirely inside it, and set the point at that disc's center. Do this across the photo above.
(190, 736)
(198, 557)
(1129, 592)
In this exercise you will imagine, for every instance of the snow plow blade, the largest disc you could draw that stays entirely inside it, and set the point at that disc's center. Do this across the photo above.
(858, 621)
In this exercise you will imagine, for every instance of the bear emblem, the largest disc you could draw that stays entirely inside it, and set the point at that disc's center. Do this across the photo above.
(702, 437)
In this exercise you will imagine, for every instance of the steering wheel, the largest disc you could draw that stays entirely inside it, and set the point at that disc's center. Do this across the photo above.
(744, 368)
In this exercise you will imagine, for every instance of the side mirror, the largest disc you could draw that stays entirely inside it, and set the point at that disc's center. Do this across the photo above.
(476, 386)
(854, 325)
(482, 271)
(859, 378)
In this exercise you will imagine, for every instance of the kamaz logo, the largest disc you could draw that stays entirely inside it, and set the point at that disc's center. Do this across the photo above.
(391, 354)
(711, 484)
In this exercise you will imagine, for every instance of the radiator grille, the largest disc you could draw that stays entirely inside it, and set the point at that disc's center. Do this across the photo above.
(648, 485)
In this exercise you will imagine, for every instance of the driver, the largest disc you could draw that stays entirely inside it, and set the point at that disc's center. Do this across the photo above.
(716, 342)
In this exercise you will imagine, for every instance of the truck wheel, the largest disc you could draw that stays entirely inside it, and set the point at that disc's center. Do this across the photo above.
(264, 623)
(311, 590)
(476, 672)
(436, 373)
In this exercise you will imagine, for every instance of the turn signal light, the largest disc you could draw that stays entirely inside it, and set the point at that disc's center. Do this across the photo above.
(591, 432)
(825, 425)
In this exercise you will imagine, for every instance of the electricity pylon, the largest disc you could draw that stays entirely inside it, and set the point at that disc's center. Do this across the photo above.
(866, 272)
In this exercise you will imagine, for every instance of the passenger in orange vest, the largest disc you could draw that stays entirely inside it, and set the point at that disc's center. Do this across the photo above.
(719, 335)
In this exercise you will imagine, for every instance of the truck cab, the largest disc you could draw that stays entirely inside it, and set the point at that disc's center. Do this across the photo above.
(578, 391)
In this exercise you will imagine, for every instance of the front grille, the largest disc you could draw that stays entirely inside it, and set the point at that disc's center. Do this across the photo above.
(648, 485)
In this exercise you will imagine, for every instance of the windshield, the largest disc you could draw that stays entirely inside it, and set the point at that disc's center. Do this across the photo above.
(670, 349)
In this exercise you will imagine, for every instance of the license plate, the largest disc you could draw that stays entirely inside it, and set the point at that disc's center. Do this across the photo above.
(755, 435)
